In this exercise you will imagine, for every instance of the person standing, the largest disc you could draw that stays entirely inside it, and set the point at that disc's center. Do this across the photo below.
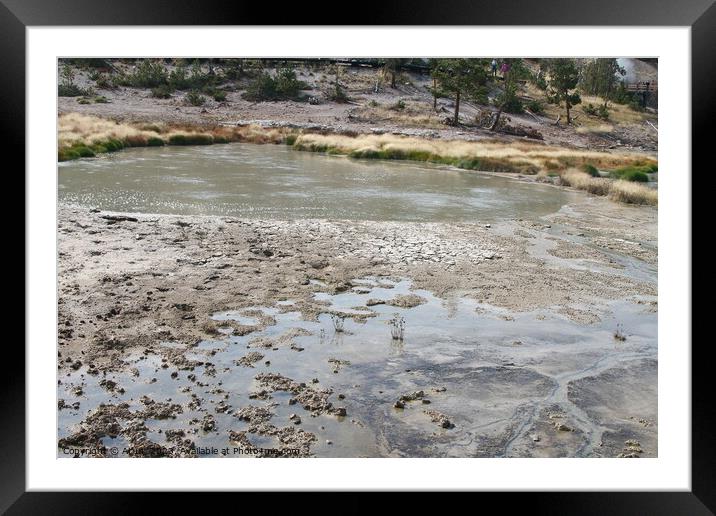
(493, 66)
(505, 68)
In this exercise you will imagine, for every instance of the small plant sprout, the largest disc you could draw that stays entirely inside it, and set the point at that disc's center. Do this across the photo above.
(397, 327)
(619, 333)
(338, 322)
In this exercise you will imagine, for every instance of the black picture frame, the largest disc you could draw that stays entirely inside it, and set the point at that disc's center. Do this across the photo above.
(700, 15)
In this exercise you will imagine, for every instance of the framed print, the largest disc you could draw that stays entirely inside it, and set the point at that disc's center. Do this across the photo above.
(433, 250)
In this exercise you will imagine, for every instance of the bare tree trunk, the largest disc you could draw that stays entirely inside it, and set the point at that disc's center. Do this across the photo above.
(457, 107)
(569, 120)
(435, 95)
(392, 80)
(497, 120)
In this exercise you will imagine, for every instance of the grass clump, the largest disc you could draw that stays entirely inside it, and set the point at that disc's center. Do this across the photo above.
(191, 139)
(590, 169)
(633, 193)
(583, 181)
(633, 173)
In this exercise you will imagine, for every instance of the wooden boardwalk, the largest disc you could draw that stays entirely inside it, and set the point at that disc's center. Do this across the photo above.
(642, 86)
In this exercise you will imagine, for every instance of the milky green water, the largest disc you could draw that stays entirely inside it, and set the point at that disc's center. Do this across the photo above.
(276, 182)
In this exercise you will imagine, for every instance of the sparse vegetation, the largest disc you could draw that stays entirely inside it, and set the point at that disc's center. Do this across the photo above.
(600, 111)
(398, 106)
(338, 322)
(397, 327)
(283, 85)
(162, 92)
(195, 98)
(619, 333)
(67, 86)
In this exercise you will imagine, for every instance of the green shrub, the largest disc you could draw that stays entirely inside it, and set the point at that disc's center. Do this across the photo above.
(590, 169)
(162, 92)
(83, 100)
(290, 139)
(195, 98)
(337, 94)
(149, 74)
(178, 79)
(600, 111)
(284, 85)
(101, 99)
(103, 82)
(219, 95)
(398, 106)
(535, 106)
(635, 105)
(480, 95)
(511, 104)
(71, 90)
(153, 141)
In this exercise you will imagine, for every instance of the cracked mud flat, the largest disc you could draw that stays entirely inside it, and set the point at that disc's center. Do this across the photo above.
(184, 335)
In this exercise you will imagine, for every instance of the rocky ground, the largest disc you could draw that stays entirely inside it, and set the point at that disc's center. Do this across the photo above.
(128, 283)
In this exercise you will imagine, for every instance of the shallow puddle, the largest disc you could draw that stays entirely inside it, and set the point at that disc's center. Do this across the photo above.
(493, 374)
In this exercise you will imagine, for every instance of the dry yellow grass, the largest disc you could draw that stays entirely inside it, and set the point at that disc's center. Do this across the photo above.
(75, 128)
(595, 129)
(414, 114)
(622, 191)
(634, 193)
(539, 156)
(582, 181)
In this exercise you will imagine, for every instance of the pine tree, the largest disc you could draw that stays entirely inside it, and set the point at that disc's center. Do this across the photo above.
(461, 77)
(602, 77)
(563, 78)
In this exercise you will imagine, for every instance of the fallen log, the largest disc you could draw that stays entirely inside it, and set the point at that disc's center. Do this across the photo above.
(119, 218)
(532, 115)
